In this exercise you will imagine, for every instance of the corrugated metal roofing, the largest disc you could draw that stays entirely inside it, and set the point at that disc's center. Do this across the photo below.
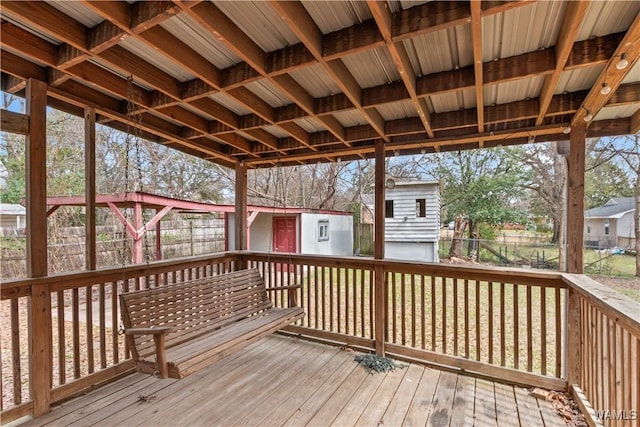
(513, 91)
(606, 17)
(580, 79)
(398, 110)
(316, 81)
(186, 29)
(453, 101)
(331, 16)
(230, 103)
(521, 30)
(616, 112)
(155, 58)
(276, 131)
(269, 93)
(373, 67)
(118, 71)
(78, 11)
(310, 124)
(441, 50)
(260, 22)
(350, 118)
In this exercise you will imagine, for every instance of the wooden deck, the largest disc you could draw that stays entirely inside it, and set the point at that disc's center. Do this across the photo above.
(284, 381)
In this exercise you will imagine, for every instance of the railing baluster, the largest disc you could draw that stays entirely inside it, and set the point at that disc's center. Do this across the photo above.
(393, 305)
(339, 300)
(89, 312)
(62, 351)
(403, 302)
(490, 315)
(529, 331)
(413, 310)
(76, 333)
(455, 316)
(114, 322)
(558, 323)
(466, 318)
(423, 313)
(16, 361)
(371, 300)
(103, 327)
(516, 332)
(502, 325)
(443, 288)
(478, 330)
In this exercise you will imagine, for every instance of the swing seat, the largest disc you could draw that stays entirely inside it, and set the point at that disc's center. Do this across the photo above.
(176, 330)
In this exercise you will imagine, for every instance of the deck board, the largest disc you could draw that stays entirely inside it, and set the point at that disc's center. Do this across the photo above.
(284, 381)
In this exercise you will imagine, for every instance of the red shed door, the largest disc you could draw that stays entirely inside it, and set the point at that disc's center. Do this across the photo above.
(284, 238)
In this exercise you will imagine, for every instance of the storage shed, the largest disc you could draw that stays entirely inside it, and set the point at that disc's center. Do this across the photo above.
(412, 211)
(296, 230)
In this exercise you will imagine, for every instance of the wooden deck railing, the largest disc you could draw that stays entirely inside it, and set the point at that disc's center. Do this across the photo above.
(522, 326)
(85, 345)
(603, 352)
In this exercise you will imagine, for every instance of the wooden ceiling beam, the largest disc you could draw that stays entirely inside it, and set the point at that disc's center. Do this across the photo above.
(382, 17)
(610, 75)
(211, 18)
(571, 23)
(476, 40)
(299, 21)
(428, 18)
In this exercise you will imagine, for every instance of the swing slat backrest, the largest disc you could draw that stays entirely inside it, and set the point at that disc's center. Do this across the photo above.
(193, 308)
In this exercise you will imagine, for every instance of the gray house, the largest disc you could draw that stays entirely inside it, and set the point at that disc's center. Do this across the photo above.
(412, 220)
(611, 225)
(12, 216)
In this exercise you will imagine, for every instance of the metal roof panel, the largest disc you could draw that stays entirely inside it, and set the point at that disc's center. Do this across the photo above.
(331, 16)
(189, 32)
(316, 81)
(260, 22)
(372, 67)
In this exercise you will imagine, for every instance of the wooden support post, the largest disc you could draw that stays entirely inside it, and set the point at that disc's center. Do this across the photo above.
(573, 351)
(137, 237)
(40, 335)
(575, 200)
(380, 308)
(241, 210)
(90, 187)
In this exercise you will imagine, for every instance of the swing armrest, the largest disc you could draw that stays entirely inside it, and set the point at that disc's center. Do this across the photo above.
(158, 333)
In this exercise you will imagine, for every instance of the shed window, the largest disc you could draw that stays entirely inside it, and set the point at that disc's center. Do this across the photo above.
(388, 208)
(606, 227)
(421, 208)
(323, 230)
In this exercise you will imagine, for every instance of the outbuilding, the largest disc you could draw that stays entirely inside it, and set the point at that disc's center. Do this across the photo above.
(412, 218)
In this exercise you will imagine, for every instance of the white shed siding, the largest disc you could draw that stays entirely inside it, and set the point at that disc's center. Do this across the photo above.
(404, 226)
(408, 236)
(340, 242)
(13, 221)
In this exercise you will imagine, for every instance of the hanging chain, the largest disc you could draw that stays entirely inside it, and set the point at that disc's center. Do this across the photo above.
(135, 118)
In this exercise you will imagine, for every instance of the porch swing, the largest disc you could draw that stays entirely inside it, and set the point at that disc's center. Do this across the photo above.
(175, 330)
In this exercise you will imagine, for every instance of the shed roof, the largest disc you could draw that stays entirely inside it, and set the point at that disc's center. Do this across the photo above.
(293, 82)
(614, 208)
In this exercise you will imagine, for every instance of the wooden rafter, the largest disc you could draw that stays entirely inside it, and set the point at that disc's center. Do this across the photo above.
(382, 16)
(476, 39)
(295, 15)
(630, 46)
(571, 24)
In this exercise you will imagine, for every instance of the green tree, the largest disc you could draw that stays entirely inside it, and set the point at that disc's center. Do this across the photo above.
(482, 186)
